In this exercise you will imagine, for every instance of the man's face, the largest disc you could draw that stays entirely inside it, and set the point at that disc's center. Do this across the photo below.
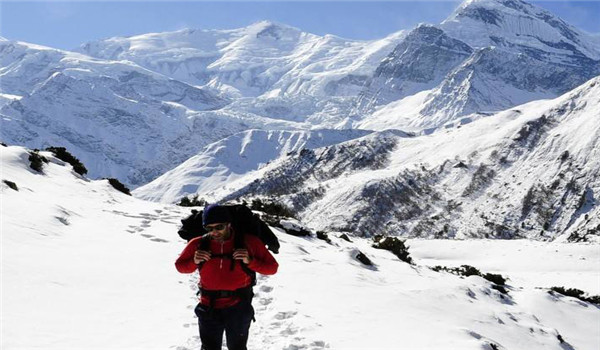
(219, 231)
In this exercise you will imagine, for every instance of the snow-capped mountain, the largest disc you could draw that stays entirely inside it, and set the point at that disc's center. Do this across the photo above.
(136, 107)
(27, 68)
(531, 171)
(265, 58)
(108, 258)
(135, 122)
(122, 120)
(518, 25)
(236, 156)
(495, 54)
(270, 69)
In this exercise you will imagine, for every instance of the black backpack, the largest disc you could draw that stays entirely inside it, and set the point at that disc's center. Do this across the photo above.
(244, 221)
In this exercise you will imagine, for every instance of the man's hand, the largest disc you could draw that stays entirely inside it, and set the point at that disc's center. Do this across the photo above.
(201, 256)
(242, 254)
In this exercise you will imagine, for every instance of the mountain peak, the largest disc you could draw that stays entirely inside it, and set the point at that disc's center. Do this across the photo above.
(273, 30)
(518, 5)
(516, 24)
(265, 24)
(493, 11)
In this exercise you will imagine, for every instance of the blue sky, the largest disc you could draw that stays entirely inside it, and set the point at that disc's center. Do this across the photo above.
(68, 24)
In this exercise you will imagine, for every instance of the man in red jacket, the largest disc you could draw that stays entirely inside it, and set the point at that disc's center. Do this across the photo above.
(227, 273)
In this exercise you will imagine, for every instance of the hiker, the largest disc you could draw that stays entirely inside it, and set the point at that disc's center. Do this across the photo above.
(228, 261)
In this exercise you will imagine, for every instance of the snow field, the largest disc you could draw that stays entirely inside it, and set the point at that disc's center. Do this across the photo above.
(86, 267)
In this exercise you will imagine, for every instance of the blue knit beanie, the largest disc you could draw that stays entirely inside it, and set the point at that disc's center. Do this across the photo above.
(215, 213)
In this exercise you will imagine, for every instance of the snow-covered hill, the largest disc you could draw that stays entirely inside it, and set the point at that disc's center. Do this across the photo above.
(236, 156)
(92, 263)
(531, 171)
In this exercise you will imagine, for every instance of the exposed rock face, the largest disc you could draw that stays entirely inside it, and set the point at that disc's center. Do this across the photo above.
(494, 79)
(419, 63)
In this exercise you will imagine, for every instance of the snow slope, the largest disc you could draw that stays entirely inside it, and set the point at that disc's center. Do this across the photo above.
(233, 157)
(85, 266)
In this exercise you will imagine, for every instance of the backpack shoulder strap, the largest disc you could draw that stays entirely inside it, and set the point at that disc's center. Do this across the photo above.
(240, 243)
(238, 240)
(203, 244)
(250, 273)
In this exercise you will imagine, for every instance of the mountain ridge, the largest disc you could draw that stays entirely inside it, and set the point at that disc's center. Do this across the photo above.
(230, 59)
(234, 157)
(473, 180)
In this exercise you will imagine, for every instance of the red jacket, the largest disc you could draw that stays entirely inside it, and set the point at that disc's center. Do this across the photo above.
(216, 273)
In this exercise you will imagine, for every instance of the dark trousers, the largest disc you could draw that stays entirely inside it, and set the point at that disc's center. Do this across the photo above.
(234, 321)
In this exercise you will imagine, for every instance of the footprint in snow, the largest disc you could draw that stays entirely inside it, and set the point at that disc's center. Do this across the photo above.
(319, 344)
(265, 301)
(266, 289)
(487, 343)
(135, 228)
(303, 250)
(263, 298)
(285, 315)
(154, 239)
(289, 330)
(192, 343)
(316, 345)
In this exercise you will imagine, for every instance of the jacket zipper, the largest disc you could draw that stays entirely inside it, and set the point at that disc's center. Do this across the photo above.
(221, 262)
